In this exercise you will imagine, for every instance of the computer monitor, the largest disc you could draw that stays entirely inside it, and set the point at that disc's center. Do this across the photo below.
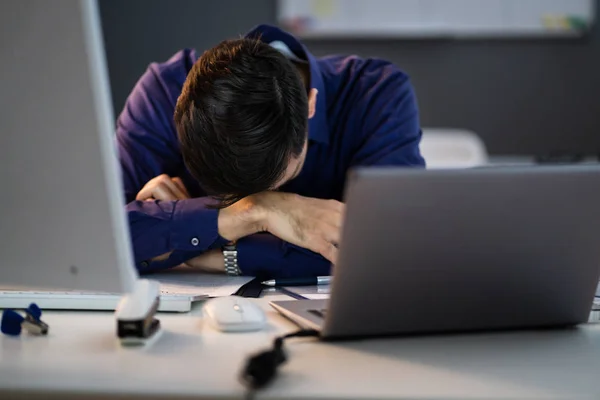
(62, 220)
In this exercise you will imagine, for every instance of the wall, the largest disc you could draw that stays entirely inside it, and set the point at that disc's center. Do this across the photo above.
(521, 97)
(138, 32)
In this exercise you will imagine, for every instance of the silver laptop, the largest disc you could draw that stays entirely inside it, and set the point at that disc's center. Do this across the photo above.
(432, 251)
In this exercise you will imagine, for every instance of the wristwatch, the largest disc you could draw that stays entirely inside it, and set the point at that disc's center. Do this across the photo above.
(231, 259)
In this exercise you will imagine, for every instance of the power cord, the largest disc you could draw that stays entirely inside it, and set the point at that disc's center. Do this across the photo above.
(261, 368)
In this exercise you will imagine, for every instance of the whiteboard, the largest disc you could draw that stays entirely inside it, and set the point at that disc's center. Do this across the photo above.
(436, 18)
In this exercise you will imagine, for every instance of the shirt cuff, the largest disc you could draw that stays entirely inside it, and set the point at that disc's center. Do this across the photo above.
(265, 255)
(194, 227)
(260, 254)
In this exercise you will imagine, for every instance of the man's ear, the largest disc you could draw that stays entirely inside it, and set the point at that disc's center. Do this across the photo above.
(312, 102)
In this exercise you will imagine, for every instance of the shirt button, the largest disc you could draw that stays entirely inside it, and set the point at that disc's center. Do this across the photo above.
(195, 242)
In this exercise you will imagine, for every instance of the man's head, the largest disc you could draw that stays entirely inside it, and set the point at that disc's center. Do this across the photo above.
(242, 119)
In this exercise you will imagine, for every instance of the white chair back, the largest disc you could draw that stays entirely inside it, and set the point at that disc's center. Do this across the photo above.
(452, 148)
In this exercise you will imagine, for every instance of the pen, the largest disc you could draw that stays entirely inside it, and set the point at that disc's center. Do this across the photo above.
(315, 280)
(293, 295)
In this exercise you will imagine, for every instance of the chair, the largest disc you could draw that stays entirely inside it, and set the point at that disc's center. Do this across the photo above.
(452, 148)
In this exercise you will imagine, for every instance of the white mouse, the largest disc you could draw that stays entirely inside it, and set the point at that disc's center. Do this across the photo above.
(234, 314)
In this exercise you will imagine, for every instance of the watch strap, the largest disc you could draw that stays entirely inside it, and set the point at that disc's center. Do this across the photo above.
(231, 260)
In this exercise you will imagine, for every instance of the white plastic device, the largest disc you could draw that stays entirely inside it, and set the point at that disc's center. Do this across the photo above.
(135, 313)
(234, 314)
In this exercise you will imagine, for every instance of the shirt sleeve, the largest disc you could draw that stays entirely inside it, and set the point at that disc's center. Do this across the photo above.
(263, 254)
(391, 132)
(148, 147)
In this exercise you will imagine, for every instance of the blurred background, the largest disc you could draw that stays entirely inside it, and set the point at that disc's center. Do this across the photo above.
(526, 79)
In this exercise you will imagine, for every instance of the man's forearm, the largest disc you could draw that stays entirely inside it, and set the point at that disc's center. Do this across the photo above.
(239, 220)
(162, 228)
(164, 231)
(211, 261)
(265, 254)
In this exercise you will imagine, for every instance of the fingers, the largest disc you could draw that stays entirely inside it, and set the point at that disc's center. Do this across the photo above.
(145, 193)
(148, 191)
(163, 188)
(179, 183)
(330, 233)
(326, 238)
(314, 224)
(331, 253)
(175, 189)
(164, 192)
(332, 211)
(325, 248)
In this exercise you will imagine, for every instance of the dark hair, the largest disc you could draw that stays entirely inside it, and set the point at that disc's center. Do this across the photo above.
(242, 114)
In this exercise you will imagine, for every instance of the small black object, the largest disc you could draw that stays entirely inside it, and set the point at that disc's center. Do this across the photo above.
(262, 367)
(252, 289)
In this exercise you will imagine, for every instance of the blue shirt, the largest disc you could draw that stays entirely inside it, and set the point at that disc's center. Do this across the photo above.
(366, 114)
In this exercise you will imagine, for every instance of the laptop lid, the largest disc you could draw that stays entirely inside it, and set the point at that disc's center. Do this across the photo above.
(460, 250)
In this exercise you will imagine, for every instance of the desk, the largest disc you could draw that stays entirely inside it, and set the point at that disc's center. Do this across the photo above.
(82, 357)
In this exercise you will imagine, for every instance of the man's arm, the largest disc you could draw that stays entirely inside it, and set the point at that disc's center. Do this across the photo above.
(233, 222)
(168, 230)
(304, 223)
(391, 135)
(290, 216)
(267, 255)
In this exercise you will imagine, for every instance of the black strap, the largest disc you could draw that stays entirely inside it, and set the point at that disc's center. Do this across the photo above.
(253, 288)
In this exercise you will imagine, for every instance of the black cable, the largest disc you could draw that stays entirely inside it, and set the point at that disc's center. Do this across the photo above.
(261, 368)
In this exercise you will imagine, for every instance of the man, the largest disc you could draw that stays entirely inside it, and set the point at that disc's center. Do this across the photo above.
(235, 161)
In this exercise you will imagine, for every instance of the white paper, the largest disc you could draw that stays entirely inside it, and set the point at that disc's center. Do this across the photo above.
(317, 296)
(188, 281)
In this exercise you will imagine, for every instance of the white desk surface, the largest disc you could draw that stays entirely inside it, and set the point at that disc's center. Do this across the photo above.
(82, 357)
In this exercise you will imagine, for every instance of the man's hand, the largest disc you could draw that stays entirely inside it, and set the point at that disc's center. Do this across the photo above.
(306, 222)
(314, 224)
(163, 187)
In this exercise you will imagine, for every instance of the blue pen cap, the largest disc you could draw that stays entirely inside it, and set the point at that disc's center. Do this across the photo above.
(11, 323)
(34, 311)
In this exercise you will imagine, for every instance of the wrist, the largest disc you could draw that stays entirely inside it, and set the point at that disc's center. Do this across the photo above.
(212, 261)
(230, 258)
(241, 219)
